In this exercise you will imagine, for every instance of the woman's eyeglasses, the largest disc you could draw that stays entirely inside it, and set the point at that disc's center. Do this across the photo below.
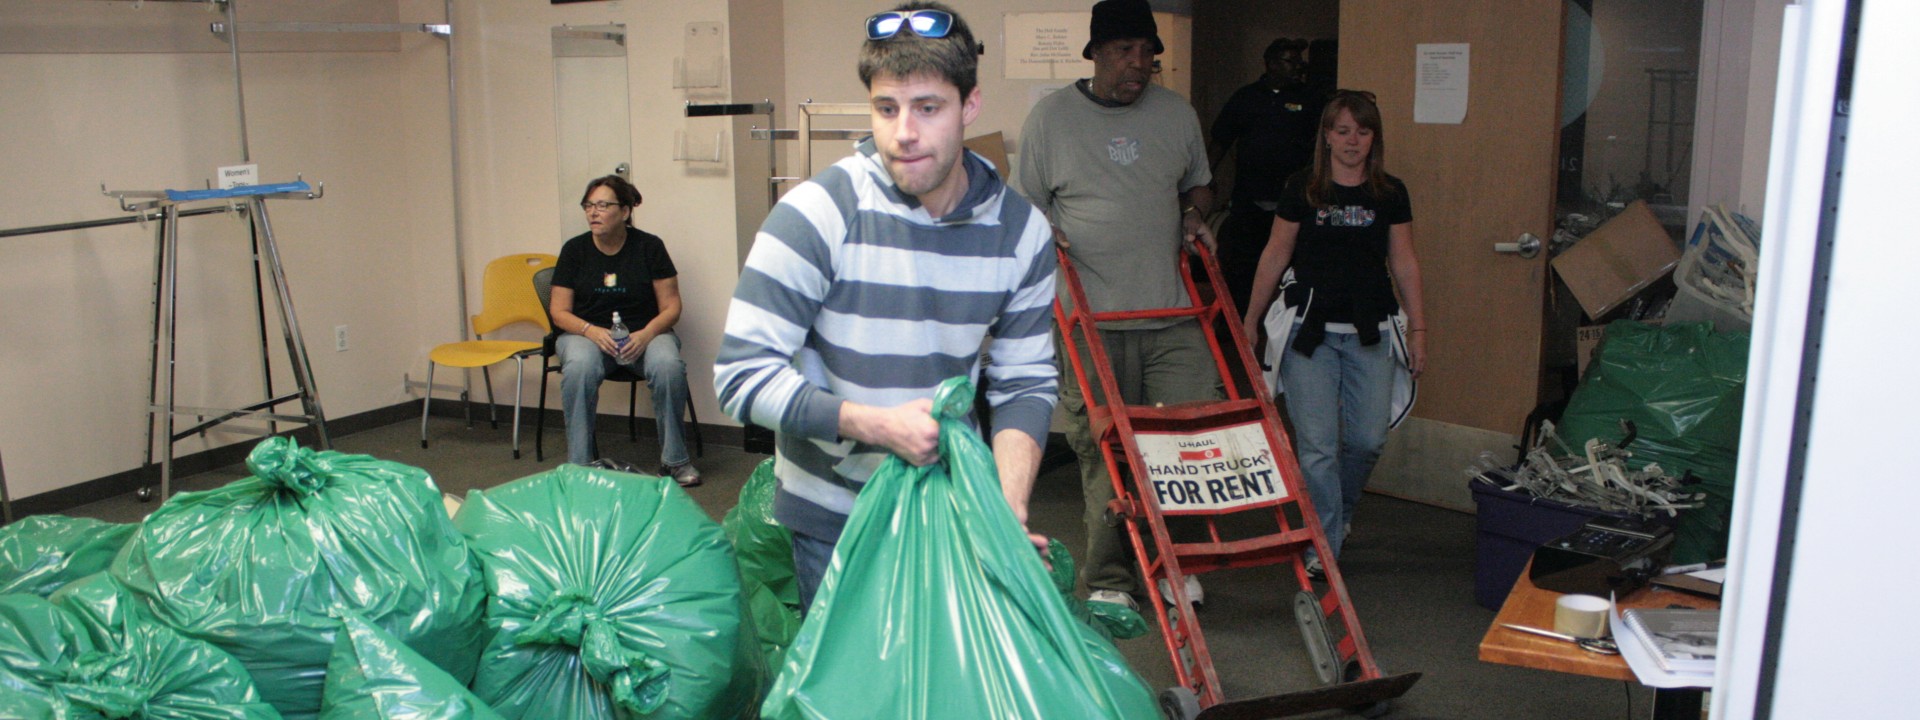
(925, 23)
(601, 205)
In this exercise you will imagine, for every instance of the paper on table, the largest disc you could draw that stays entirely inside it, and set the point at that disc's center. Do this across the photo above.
(1640, 659)
(1440, 85)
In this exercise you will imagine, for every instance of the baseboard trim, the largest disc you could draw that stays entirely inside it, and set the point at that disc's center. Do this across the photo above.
(87, 491)
(126, 481)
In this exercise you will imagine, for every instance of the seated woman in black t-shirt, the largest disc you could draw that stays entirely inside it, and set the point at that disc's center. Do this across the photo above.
(617, 269)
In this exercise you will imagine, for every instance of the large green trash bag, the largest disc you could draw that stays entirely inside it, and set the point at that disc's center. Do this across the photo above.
(263, 566)
(1682, 386)
(92, 652)
(936, 606)
(373, 676)
(1114, 622)
(39, 554)
(764, 549)
(614, 596)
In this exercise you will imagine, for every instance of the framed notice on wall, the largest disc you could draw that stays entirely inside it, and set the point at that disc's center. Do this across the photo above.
(1046, 46)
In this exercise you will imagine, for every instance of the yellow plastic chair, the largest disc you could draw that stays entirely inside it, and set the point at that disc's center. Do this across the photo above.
(506, 297)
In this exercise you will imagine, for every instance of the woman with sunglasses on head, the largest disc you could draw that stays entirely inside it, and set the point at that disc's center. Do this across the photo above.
(1350, 324)
(614, 270)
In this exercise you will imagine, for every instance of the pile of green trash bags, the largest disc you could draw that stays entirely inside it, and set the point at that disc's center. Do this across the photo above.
(264, 567)
(374, 676)
(1683, 386)
(41, 553)
(93, 653)
(613, 596)
(936, 606)
(764, 549)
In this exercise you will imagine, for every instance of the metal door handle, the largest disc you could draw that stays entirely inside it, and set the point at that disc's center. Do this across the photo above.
(1528, 246)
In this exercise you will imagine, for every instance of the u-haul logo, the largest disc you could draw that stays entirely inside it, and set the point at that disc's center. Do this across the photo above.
(1216, 471)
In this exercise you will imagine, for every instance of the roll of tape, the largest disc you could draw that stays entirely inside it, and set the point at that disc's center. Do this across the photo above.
(1582, 616)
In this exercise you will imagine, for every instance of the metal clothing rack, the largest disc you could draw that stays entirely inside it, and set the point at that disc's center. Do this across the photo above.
(162, 408)
(759, 439)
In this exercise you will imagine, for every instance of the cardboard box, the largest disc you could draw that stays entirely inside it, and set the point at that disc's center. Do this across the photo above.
(994, 146)
(1617, 261)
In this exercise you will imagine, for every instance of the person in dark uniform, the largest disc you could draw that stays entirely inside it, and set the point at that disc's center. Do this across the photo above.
(1270, 125)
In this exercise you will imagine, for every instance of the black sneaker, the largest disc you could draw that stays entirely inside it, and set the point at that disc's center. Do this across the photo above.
(1315, 572)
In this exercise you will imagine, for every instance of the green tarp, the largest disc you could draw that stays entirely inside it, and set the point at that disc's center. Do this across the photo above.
(936, 606)
(1682, 386)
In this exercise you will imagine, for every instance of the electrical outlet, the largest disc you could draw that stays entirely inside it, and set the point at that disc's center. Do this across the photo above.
(339, 338)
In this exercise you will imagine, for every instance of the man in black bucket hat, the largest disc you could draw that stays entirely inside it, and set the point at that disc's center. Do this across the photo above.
(1120, 168)
(1115, 19)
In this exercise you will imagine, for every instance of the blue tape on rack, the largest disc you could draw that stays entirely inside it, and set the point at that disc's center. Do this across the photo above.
(238, 191)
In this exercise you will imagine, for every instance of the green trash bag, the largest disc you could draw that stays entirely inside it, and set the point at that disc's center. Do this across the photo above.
(93, 653)
(764, 549)
(373, 676)
(38, 554)
(263, 566)
(613, 596)
(1683, 387)
(936, 606)
(1113, 622)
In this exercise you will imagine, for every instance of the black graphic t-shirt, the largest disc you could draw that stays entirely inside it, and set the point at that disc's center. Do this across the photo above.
(1341, 251)
(604, 284)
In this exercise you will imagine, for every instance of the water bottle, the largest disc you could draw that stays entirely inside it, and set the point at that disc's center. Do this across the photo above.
(619, 332)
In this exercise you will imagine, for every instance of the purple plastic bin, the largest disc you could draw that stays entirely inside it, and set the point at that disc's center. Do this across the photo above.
(1511, 526)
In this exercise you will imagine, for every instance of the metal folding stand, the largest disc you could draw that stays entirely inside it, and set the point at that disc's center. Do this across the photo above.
(161, 406)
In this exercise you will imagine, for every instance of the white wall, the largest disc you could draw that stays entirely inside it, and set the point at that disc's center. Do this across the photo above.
(74, 369)
(510, 159)
(823, 45)
(376, 254)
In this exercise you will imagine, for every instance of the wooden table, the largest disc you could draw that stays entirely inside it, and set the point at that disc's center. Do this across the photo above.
(1530, 606)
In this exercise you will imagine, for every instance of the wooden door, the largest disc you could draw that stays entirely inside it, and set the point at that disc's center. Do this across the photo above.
(1480, 182)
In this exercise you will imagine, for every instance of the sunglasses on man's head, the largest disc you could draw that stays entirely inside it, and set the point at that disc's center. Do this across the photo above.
(925, 23)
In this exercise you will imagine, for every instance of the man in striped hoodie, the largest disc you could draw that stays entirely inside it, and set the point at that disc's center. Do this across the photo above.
(882, 276)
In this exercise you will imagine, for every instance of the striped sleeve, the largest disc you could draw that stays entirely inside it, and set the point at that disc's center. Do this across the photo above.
(780, 293)
(1023, 382)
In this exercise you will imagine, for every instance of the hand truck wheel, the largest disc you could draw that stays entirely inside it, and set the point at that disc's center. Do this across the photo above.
(1313, 632)
(1179, 703)
(145, 493)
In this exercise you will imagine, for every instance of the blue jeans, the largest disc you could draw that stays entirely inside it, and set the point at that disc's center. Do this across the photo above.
(1341, 401)
(582, 368)
(811, 556)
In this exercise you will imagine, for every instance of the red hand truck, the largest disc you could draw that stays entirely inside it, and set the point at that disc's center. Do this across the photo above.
(1217, 462)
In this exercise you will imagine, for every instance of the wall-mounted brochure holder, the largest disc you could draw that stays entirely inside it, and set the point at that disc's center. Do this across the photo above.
(703, 65)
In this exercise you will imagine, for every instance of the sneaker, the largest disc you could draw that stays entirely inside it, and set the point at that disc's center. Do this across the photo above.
(1114, 597)
(1194, 592)
(1315, 572)
(686, 475)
